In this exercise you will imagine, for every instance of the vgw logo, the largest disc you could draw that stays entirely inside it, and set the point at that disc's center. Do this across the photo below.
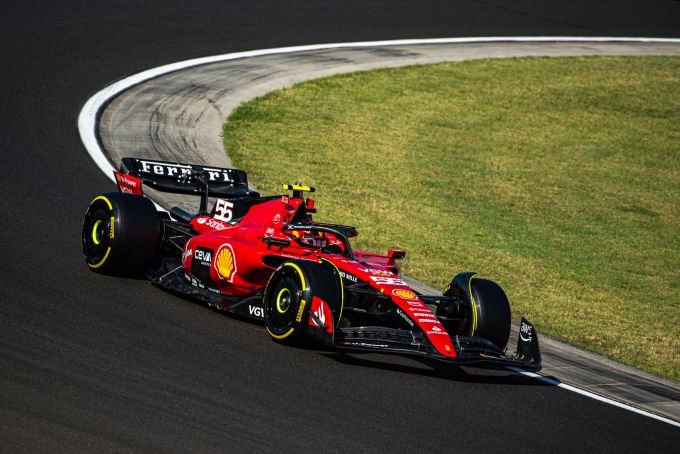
(256, 311)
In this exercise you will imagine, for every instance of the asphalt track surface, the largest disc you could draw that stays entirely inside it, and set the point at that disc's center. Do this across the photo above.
(96, 364)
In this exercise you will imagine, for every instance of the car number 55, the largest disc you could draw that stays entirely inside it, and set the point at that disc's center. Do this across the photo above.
(223, 210)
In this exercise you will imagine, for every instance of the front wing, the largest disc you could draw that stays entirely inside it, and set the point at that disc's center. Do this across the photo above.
(473, 351)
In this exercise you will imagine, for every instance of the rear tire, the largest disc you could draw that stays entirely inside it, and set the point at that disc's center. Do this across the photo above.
(288, 297)
(121, 234)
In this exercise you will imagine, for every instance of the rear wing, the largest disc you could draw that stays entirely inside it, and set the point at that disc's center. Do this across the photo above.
(192, 179)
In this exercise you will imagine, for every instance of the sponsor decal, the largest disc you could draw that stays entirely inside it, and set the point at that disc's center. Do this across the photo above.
(447, 347)
(256, 311)
(200, 265)
(111, 225)
(204, 255)
(405, 294)
(320, 314)
(212, 223)
(388, 281)
(196, 283)
(436, 328)
(418, 304)
(298, 317)
(433, 333)
(127, 181)
(284, 199)
(365, 344)
(428, 320)
(349, 277)
(225, 262)
(525, 332)
(421, 314)
(214, 290)
(178, 170)
(185, 257)
(405, 317)
(276, 219)
(128, 184)
(269, 232)
(215, 224)
(375, 272)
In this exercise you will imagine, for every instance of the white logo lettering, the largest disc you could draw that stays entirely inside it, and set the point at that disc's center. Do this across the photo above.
(405, 317)
(525, 329)
(256, 311)
(387, 280)
(168, 169)
(217, 225)
(349, 277)
(204, 256)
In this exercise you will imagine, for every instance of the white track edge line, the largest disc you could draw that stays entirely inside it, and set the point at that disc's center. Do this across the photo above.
(595, 396)
(87, 121)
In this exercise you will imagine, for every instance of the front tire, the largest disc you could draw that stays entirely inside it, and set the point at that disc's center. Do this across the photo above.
(288, 297)
(121, 234)
(489, 315)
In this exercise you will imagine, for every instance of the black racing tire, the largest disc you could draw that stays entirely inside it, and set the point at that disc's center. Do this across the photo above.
(491, 312)
(121, 234)
(288, 297)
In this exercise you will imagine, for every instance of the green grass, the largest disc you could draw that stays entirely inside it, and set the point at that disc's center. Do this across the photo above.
(558, 178)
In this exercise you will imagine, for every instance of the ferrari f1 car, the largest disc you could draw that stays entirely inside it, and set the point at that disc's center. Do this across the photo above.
(266, 258)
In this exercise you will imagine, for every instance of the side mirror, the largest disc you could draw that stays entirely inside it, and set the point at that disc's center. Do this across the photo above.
(396, 254)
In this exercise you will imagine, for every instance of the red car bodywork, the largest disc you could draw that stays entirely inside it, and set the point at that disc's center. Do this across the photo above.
(240, 245)
(233, 255)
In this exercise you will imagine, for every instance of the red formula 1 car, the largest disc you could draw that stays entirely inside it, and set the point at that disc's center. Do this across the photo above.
(265, 258)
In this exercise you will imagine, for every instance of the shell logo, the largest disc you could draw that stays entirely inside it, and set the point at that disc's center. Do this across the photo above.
(225, 263)
(406, 294)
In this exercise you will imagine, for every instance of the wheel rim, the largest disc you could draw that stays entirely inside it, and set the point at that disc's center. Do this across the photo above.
(96, 237)
(281, 305)
(283, 300)
(97, 232)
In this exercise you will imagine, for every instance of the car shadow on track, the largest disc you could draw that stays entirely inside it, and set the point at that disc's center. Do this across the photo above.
(437, 370)
(396, 363)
